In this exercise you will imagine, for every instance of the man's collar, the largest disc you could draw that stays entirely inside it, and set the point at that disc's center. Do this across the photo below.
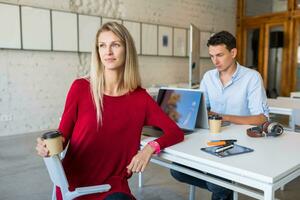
(238, 67)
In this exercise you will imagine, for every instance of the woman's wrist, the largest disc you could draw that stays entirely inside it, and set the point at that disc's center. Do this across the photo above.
(155, 146)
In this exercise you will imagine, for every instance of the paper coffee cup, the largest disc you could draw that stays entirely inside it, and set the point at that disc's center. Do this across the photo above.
(53, 140)
(215, 122)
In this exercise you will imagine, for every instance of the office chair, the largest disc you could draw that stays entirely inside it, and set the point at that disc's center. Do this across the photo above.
(58, 177)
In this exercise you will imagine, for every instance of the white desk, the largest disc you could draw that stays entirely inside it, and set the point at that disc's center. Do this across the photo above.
(285, 106)
(295, 95)
(274, 162)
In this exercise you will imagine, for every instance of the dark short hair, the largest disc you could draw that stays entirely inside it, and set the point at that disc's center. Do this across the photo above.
(223, 37)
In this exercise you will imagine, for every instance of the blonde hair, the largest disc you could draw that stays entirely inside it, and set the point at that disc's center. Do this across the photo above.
(131, 76)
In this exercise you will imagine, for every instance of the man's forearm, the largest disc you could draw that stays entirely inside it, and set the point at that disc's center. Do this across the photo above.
(253, 119)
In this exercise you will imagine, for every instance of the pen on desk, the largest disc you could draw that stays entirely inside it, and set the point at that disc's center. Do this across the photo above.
(220, 142)
(216, 143)
(230, 140)
(224, 148)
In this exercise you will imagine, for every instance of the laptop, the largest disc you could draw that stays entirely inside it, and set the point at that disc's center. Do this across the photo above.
(202, 119)
(181, 105)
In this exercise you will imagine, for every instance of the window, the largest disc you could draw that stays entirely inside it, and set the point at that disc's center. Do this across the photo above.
(259, 7)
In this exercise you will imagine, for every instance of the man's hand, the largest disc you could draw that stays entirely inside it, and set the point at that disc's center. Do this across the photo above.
(249, 120)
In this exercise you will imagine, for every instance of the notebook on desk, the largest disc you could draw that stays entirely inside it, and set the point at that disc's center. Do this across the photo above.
(181, 105)
(237, 149)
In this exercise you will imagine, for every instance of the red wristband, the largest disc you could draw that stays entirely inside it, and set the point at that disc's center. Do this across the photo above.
(155, 146)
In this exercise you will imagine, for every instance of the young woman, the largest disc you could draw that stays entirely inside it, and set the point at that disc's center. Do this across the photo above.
(104, 116)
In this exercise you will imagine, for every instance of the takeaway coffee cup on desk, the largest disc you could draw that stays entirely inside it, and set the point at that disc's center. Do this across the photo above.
(215, 122)
(53, 140)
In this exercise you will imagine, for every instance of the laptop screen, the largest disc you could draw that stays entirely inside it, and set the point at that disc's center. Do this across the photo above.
(181, 105)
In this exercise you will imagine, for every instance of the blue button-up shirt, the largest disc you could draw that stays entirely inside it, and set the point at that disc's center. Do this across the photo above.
(243, 95)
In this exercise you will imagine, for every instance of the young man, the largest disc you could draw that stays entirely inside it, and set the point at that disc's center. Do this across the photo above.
(233, 91)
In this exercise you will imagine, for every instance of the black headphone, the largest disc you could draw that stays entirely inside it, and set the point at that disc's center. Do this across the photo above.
(266, 129)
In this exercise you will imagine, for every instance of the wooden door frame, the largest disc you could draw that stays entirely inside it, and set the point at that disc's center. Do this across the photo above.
(268, 27)
(289, 19)
(261, 43)
(294, 53)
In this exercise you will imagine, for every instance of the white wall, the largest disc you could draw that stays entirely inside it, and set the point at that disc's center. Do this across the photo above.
(33, 84)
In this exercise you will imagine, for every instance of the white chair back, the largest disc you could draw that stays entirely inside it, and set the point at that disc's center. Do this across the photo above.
(58, 177)
(56, 172)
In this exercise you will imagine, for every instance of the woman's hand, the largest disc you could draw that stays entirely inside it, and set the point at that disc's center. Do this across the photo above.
(41, 148)
(140, 160)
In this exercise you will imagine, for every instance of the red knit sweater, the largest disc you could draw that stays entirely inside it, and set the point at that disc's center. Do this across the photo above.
(100, 155)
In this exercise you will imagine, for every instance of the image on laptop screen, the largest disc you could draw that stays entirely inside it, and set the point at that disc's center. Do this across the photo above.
(181, 105)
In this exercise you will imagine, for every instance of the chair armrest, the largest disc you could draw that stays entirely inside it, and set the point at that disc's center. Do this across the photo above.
(93, 189)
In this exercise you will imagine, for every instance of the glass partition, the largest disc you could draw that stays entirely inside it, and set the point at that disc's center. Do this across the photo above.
(298, 59)
(275, 61)
(260, 7)
(252, 48)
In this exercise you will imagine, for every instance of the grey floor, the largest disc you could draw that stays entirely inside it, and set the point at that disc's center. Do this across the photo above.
(24, 176)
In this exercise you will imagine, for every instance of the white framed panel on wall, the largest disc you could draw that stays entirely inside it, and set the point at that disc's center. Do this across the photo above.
(64, 29)
(165, 41)
(88, 27)
(34, 19)
(106, 19)
(134, 29)
(180, 44)
(10, 34)
(204, 36)
(149, 39)
(188, 43)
